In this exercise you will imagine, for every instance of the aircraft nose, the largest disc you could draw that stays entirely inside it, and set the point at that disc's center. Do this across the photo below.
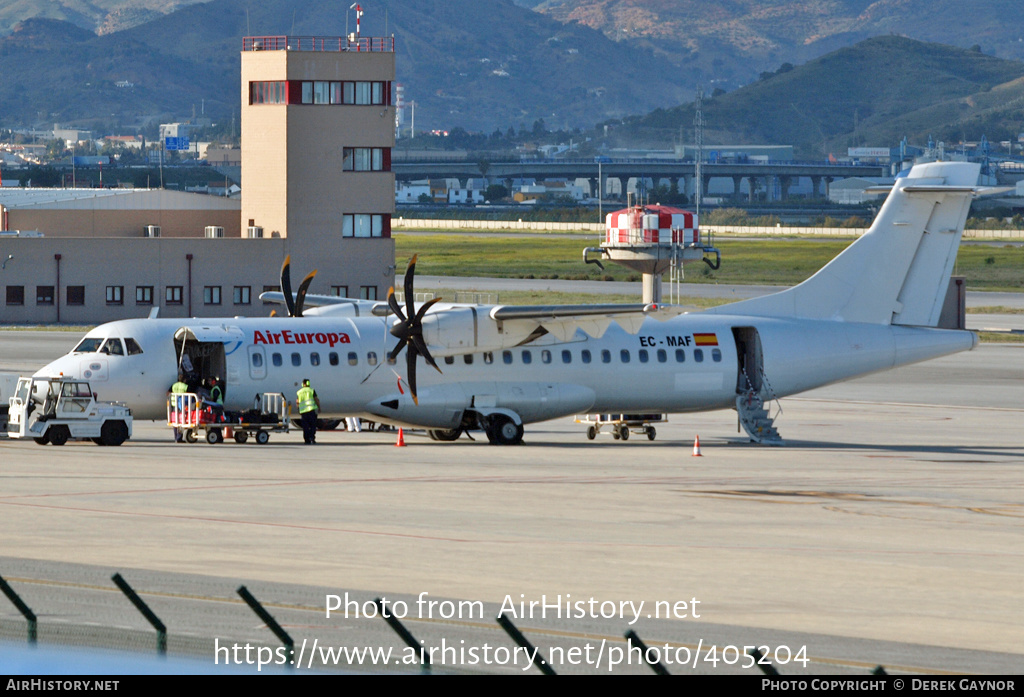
(65, 365)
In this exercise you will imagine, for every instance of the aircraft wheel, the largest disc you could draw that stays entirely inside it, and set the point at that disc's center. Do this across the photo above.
(445, 434)
(59, 435)
(241, 437)
(327, 424)
(114, 433)
(592, 433)
(190, 436)
(262, 437)
(214, 436)
(501, 430)
(624, 432)
(651, 433)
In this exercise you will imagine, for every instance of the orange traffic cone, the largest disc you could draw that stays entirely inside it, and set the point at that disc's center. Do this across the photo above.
(696, 447)
(400, 443)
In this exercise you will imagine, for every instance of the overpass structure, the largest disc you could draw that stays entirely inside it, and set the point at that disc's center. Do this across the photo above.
(680, 173)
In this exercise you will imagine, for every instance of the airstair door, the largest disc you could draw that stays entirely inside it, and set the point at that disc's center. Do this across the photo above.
(749, 359)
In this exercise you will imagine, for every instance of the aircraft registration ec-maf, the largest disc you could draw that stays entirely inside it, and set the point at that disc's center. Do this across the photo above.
(875, 306)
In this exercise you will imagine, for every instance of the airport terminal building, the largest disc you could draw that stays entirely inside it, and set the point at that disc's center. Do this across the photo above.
(317, 134)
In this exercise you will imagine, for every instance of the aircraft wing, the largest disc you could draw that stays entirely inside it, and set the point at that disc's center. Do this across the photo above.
(327, 301)
(564, 320)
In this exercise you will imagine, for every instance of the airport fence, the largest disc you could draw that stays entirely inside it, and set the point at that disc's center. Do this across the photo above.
(235, 622)
(400, 224)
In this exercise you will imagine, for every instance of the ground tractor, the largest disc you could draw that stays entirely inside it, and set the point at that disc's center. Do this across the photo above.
(56, 410)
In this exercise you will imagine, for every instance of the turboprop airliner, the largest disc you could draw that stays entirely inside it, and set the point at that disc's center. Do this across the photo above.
(875, 306)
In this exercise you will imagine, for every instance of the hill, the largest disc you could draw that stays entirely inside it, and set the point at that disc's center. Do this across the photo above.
(479, 64)
(95, 16)
(873, 93)
(730, 43)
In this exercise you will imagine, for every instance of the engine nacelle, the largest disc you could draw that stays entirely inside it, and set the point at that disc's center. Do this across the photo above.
(468, 329)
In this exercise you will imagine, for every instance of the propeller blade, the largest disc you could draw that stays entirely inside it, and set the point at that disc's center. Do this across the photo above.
(393, 304)
(398, 349)
(410, 362)
(300, 297)
(286, 285)
(421, 348)
(423, 310)
(410, 295)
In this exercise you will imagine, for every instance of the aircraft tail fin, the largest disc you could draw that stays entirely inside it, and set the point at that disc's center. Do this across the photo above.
(898, 271)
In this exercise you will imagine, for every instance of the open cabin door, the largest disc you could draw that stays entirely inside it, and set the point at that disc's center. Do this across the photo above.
(750, 360)
(201, 352)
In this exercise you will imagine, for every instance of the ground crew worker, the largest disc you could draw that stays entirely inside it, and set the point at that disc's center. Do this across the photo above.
(178, 389)
(307, 402)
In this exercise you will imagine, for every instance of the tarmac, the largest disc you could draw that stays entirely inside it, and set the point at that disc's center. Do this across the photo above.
(886, 531)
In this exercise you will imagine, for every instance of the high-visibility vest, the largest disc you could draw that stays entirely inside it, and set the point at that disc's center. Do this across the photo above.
(179, 387)
(306, 398)
(217, 394)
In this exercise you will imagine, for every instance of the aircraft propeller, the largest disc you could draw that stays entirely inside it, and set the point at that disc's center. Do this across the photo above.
(294, 304)
(409, 329)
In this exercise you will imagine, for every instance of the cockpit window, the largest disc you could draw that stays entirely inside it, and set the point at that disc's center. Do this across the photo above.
(133, 347)
(112, 347)
(88, 345)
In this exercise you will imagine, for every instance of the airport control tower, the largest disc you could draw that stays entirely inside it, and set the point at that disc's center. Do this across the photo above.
(653, 239)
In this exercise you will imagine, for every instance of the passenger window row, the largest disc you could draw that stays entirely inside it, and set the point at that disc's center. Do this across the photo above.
(507, 356)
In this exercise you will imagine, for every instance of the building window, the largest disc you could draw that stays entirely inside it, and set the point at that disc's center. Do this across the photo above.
(173, 296)
(363, 92)
(339, 291)
(115, 295)
(321, 92)
(44, 295)
(211, 295)
(267, 92)
(367, 292)
(76, 295)
(366, 159)
(143, 295)
(242, 295)
(365, 225)
(15, 295)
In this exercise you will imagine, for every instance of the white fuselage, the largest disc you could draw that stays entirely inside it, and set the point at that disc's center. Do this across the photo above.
(688, 363)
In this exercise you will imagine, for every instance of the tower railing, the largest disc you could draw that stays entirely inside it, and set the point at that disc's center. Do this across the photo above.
(371, 44)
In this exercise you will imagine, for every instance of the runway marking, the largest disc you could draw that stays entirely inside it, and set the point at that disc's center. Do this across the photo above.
(767, 496)
(470, 479)
(900, 404)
